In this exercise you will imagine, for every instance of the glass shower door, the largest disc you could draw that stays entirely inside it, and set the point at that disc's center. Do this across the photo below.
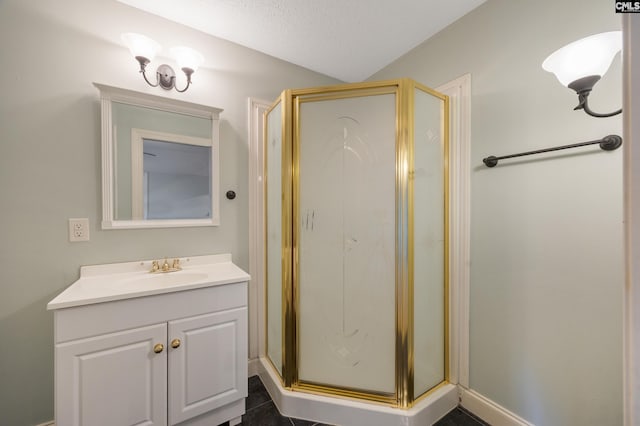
(273, 152)
(346, 327)
(429, 241)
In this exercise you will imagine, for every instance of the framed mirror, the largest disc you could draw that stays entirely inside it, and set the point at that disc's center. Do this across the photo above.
(160, 161)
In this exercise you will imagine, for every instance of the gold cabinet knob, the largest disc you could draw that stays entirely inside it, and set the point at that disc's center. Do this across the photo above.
(175, 343)
(158, 348)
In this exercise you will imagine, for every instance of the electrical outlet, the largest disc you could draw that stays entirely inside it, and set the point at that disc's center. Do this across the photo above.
(78, 229)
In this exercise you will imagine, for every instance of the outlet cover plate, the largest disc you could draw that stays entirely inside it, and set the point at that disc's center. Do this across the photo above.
(78, 229)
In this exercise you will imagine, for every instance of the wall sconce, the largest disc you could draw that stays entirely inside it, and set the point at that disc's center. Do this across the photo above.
(579, 65)
(145, 49)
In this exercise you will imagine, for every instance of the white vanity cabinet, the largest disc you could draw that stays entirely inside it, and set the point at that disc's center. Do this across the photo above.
(209, 368)
(112, 379)
(172, 358)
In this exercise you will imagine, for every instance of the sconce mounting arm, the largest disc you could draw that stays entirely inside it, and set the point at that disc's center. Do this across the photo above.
(143, 65)
(583, 87)
(187, 72)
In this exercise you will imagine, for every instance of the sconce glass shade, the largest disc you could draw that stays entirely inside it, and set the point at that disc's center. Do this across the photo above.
(590, 56)
(187, 58)
(141, 46)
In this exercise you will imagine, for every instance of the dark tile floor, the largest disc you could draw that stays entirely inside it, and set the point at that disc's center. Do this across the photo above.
(261, 411)
(460, 417)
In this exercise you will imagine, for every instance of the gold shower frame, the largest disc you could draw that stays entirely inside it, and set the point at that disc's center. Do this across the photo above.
(290, 100)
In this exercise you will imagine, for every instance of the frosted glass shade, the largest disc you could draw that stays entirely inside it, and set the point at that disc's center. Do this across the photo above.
(187, 57)
(585, 57)
(141, 45)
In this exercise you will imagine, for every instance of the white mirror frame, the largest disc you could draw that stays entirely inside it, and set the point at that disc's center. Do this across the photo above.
(109, 94)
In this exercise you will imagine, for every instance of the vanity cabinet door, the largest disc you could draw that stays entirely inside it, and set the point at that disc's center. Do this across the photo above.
(113, 379)
(208, 368)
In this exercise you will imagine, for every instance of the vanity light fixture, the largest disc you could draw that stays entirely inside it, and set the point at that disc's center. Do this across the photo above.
(579, 65)
(145, 49)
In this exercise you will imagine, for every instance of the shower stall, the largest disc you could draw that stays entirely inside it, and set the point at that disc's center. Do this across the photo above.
(356, 247)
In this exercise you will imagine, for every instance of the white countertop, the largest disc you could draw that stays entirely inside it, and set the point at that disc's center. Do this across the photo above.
(117, 281)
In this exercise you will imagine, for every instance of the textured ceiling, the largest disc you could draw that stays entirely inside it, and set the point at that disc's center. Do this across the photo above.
(346, 39)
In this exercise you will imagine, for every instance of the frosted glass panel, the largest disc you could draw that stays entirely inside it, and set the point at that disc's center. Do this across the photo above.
(346, 327)
(429, 244)
(273, 176)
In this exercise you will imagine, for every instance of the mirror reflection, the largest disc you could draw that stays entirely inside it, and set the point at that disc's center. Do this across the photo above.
(175, 182)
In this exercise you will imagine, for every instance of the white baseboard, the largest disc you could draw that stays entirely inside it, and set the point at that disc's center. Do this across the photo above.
(489, 411)
(49, 423)
(253, 367)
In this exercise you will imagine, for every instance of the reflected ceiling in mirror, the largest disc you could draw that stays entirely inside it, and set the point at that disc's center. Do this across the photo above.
(160, 165)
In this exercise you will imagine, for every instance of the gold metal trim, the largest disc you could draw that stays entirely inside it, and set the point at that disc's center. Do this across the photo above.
(386, 90)
(404, 244)
(432, 92)
(358, 394)
(354, 87)
(447, 232)
(265, 241)
(295, 229)
(289, 325)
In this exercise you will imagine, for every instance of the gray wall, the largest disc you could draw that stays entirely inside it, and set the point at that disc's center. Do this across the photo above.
(52, 51)
(546, 231)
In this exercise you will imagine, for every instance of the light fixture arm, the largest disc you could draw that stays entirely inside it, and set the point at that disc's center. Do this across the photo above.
(165, 76)
(583, 87)
(187, 72)
(143, 65)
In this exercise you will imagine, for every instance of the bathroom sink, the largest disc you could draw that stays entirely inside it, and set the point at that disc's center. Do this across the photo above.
(161, 279)
(117, 281)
